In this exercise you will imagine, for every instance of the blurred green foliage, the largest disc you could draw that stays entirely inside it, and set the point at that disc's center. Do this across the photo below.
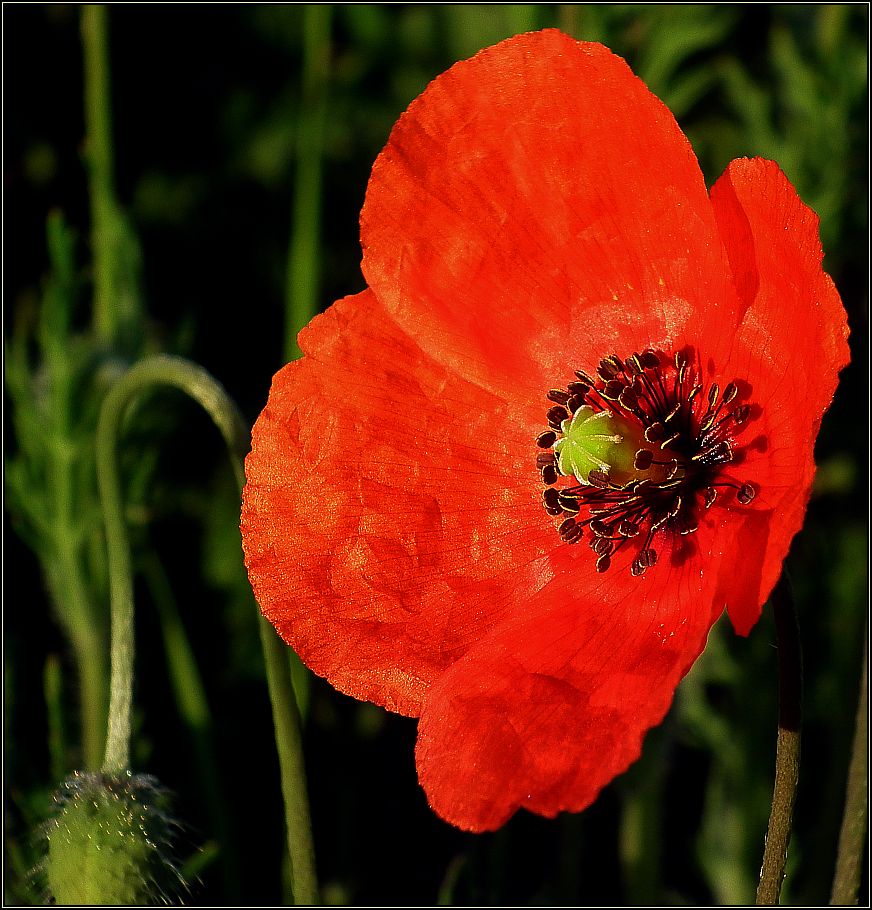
(213, 112)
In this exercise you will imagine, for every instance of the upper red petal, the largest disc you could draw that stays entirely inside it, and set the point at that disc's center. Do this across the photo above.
(536, 207)
(391, 513)
(789, 348)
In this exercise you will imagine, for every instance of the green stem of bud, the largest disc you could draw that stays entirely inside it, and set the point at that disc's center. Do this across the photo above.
(199, 385)
(787, 747)
(852, 838)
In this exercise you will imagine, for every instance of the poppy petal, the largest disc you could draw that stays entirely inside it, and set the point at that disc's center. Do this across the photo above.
(392, 511)
(549, 709)
(538, 205)
(789, 347)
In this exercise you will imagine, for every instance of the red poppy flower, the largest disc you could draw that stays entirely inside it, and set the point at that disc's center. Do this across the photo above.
(510, 487)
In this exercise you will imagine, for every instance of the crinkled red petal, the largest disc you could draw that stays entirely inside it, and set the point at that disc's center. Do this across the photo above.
(391, 514)
(789, 347)
(551, 707)
(536, 208)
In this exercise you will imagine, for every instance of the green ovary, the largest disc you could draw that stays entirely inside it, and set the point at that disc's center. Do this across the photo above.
(599, 441)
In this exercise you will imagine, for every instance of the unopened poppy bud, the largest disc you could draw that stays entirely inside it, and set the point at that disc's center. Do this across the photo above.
(110, 841)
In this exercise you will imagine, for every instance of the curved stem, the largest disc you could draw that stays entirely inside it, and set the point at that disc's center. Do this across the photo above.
(199, 385)
(787, 748)
(852, 839)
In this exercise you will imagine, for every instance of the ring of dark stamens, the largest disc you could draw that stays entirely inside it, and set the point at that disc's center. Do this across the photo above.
(689, 434)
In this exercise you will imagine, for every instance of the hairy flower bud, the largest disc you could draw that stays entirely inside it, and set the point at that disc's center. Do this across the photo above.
(110, 842)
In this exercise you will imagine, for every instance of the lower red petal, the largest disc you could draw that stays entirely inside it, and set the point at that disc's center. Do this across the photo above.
(544, 713)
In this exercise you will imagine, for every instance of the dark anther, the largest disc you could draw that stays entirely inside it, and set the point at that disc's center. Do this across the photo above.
(549, 474)
(628, 398)
(569, 504)
(546, 440)
(640, 564)
(590, 383)
(543, 458)
(607, 370)
(570, 531)
(649, 360)
(643, 459)
(602, 546)
(556, 416)
(600, 528)
(578, 388)
(746, 494)
(710, 494)
(668, 442)
(599, 479)
(558, 395)
(680, 361)
(714, 391)
(647, 557)
(628, 529)
(612, 389)
(603, 563)
(575, 403)
(730, 393)
(655, 432)
(633, 366)
(550, 498)
(740, 415)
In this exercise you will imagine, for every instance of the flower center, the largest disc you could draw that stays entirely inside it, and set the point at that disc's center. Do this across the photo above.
(645, 450)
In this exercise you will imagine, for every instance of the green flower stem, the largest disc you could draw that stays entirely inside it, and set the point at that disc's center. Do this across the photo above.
(99, 156)
(301, 302)
(852, 839)
(67, 588)
(199, 385)
(787, 747)
(286, 721)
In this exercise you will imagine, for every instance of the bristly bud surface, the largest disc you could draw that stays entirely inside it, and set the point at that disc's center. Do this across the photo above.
(111, 842)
